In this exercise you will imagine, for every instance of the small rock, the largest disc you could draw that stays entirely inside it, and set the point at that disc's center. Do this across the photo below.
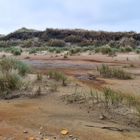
(41, 128)
(102, 117)
(75, 139)
(70, 136)
(64, 132)
(25, 131)
(31, 138)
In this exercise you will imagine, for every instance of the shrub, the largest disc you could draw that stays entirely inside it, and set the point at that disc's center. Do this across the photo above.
(32, 51)
(52, 50)
(75, 50)
(3, 44)
(73, 39)
(85, 43)
(16, 51)
(27, 44)
(58, 50)
(37, 49)
(112, 53)
(128, 49)
(23, 68)
(56, 43)
(105, 50)
(138, 51)
(7, 64)
(97, 50)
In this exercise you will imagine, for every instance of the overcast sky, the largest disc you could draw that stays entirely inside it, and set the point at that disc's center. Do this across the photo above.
(110, 15)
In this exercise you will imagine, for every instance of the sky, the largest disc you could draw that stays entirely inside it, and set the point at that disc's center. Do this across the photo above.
(107, 15)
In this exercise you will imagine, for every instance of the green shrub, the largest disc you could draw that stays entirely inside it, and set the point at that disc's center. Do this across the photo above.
(75, 50)
(52, 50)
(32, 51)
(105, 50)
(128, 49)
(138, 51)
(58, 50)
(97, 50)
(23, 68)
(16, 51)
(122, 49)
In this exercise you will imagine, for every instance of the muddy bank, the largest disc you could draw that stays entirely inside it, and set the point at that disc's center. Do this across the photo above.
(55, 64)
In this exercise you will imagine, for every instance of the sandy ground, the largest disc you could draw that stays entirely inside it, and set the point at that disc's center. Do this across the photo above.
(49, 113)
(21, 115)
(85, 64)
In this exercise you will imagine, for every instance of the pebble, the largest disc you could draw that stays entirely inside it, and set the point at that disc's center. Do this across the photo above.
(41, 128)
(75, 139)
(25, 131)
(102, 117)
(70, 136)
(32, 138)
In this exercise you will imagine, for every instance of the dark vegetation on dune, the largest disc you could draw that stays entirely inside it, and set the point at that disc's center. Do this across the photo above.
(59, 38)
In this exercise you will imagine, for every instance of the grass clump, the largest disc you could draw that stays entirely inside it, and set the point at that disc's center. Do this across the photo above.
(39, 77)
(11, 75)
(118, 73)
(10, 81)
(112, 97)
(9, 64)
(16, 51)
(58, 76)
